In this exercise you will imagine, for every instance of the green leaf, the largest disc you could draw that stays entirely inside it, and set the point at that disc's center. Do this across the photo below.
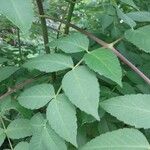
(82, 88)
(73, 43)
(131, 109)
(50, 62)
(140, 16)
(37, 123)
(126, 18)
(82, 136)
(2, 60)
(140, 37)
(19, 128)
(20, 12)
(22, 146)
(105, 63)
(47, 139)
(26, 113)
(6, 72)
(2, 136)
(143, 88)
(130, 2)
(126, 89)
(107, 20)
(61, 115)
(87, 118)
(37, 96)
(6, 105)
(123, 139)
(106, 126)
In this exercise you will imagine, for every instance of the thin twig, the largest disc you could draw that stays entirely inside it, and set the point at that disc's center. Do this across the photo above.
(4, 127)
(16, 88)
(19, 46)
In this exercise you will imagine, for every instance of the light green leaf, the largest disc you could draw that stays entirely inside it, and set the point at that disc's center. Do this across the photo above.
(6, 72)
(19, 128)
(131, 109)
(20, 12)
(130, 2)
(22, 146)
(6, 105)
(105, 63)
(126, 19)
(62, 118)
(140, 16)
(44, 138)
(73, 43)
(37, 96)
(47, 140)
(123, 139)
(140, 37)
(2, 136)
(50, 62)
(82, 88)
(37, 123)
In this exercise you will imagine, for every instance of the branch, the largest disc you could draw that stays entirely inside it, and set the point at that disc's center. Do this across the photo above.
(106, 45)
(16, 88)
(19, 86)
(44, 27)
